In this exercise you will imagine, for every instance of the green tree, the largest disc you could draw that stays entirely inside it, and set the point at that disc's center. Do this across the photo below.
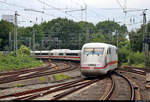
(26, 35)
(98, 37)
(5, 28)
(136, 41)
(67, 32)
(112, 31)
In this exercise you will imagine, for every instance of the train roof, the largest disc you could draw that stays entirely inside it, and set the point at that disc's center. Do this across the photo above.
(73, 51)
(96, 45)
(40, 51)
(59, 50)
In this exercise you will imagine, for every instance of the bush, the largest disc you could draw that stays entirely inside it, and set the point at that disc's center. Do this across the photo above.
(23, 51)
(123, 54)
(22, 60)
(136, 58)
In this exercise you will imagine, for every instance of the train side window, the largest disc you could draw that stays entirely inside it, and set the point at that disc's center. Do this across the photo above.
(44, 53)
(71, 54)
(61, 54)
(109, 51)
(116, 51)
(51, 53)
(37, 53)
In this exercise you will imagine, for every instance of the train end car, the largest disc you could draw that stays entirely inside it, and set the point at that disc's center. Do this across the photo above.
(58, 54)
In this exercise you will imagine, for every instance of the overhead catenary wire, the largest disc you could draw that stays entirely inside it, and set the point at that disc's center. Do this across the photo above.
(54, 8)
(14, 5)
(23, 7)
(122, 7)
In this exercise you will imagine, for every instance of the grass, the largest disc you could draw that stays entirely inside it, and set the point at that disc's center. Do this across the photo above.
(140, 65)
(10, 62)
(42, 79)
(19, 85)
(60, 76)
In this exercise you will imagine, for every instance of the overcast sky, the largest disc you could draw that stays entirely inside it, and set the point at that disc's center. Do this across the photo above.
(97, 10)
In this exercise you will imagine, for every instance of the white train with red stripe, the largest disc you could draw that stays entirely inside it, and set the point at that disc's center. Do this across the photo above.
(64, 54)
(98, 59)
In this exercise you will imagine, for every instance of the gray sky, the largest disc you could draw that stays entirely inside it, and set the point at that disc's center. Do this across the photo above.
(97, 10)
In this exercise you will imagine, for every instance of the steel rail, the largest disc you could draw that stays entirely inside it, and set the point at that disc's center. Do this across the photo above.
(133, 71)
(23, 70)
(38, 74)
(132, 95)
(56, 97)
(55, 90)
(111, 89)
(64, 87)
(38, 89)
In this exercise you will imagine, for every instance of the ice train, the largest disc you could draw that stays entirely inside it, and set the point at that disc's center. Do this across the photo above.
(95, 58)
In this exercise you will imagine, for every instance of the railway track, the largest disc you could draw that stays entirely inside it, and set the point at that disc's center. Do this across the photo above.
(119, 89)
(67, 88)
(22, 71)
(18, 75)
(133, 70)
(64, 89)
(142, 69)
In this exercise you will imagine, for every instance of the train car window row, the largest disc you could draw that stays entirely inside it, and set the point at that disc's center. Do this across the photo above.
(37, 54)
(41, 53)
(61, 54)
(44, 53)
(71, 54)
(51, 53)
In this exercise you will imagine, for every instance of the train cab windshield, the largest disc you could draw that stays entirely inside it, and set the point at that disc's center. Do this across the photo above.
(94, 51)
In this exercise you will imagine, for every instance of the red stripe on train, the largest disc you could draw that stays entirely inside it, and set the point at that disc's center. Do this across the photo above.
(110, 63)
(85, 67)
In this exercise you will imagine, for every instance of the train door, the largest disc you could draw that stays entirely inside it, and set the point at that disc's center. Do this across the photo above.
(109, 57)
(113, 58)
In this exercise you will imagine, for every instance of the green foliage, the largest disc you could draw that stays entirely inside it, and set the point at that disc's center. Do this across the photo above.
(136, 58)
(22, 60)
(98, 38)
(125, 44)
(71, 34)
(123, 55)
(107, 27)
(23, 51)
(136, 41)
(5, 28)
(111, 31)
